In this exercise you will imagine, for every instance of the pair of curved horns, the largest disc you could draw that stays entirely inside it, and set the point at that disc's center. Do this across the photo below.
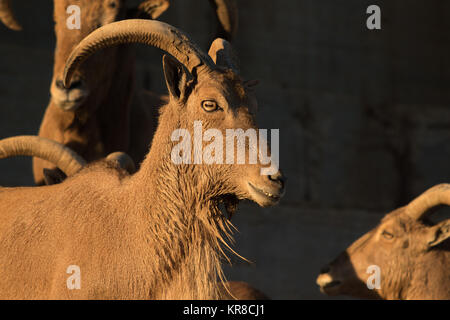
(61, 156)
(150, 32)
(420, 207)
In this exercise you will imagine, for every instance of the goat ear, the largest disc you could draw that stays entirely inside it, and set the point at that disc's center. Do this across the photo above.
(53, 176)
(223, 55)
(176, 77)
(438, 233)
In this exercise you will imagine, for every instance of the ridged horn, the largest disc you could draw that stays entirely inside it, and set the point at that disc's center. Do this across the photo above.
(437, 195)
(227, 14)
(150, 32)
(7, 16)
(62, 157)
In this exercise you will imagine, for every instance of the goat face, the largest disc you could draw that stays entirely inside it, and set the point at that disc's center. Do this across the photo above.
(221, 102)
(96, 74)
(395, 246)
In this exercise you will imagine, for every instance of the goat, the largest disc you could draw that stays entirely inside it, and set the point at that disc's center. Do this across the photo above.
(411, 253)
(157, 234)
(70, 163)
(102, 112)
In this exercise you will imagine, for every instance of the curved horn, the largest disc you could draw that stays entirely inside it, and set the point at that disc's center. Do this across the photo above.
(124, 161)
(62, 157)
(7, 16)
(149, 32)
(227, 14)
(437, 195)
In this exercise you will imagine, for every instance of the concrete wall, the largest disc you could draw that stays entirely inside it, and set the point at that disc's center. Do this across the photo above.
(364, 117)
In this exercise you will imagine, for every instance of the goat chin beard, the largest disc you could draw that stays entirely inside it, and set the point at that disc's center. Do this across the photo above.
(230, 203)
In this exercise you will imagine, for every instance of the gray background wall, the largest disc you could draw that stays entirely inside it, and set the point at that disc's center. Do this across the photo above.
(364, 117)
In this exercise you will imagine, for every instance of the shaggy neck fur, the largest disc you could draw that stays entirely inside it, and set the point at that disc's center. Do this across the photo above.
(183, 224)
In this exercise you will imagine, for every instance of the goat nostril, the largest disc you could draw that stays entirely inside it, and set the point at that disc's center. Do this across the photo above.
(74, 85)
(325, 269)
(278, 177)
(60, 84)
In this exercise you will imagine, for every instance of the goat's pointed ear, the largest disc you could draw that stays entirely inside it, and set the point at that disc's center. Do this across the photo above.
(438, 233)
(176, 77)
(223, 55)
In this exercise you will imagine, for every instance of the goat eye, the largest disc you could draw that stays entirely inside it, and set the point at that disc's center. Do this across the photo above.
(387, 235)
(210, 105)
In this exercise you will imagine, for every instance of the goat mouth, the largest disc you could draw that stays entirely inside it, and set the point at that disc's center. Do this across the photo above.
(71, 105)
(331, 284)
(69, 100)
(332, 289)
(265, 197)
(327, 284)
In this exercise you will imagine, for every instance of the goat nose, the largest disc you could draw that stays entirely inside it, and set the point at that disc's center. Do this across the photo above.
(73, 85)
(325, 269)
(278, 177)
(60, 84)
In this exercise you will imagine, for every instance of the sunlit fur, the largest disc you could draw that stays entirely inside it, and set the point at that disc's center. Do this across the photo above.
(158, 234)
(410, 268)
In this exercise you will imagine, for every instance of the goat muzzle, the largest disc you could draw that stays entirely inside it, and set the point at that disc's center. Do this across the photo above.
(69, 98)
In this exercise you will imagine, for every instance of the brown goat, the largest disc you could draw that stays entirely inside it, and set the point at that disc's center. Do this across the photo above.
(71, 163)
(412, 254)
(101, 112)
(157, 234)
